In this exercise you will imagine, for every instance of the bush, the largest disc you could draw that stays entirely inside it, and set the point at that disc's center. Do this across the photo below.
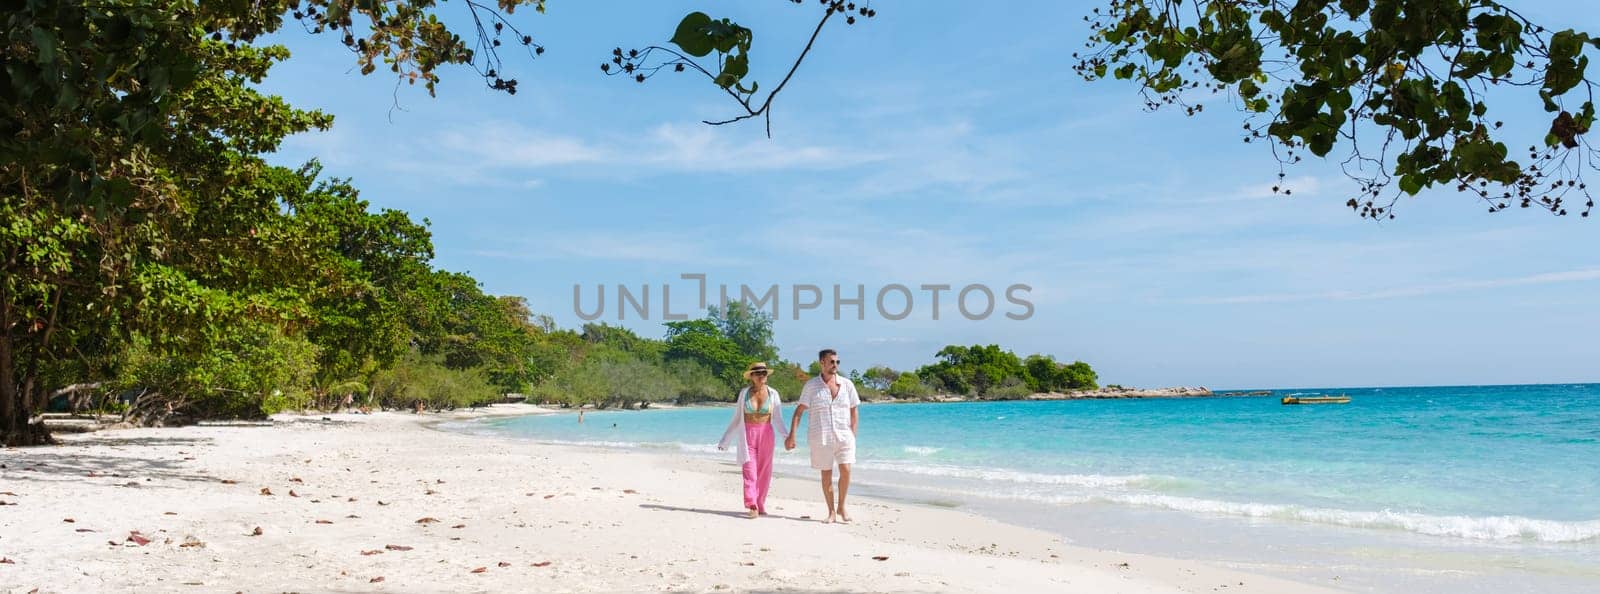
(908, 385)
(695, 383)
(1011, 388)
(416, 378)
(248, 370)
(633, 381)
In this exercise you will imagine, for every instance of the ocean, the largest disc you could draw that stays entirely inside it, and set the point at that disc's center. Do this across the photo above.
(1465, 488)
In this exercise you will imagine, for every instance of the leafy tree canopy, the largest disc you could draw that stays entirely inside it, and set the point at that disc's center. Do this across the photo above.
(1398, 91)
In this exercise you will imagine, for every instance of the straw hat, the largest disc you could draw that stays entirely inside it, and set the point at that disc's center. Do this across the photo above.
(755, 367)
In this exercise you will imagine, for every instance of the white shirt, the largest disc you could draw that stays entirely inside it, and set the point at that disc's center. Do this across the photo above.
(830, 415)
(735, 429)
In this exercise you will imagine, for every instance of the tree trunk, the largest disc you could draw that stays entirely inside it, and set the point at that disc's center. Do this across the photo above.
(15, 428)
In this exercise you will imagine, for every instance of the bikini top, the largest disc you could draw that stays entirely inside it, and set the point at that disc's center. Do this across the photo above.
(750, 408)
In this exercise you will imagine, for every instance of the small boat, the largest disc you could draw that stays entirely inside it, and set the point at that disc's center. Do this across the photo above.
(1340, 399)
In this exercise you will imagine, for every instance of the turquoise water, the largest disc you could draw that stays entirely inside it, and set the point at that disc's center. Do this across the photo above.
(1501, 464)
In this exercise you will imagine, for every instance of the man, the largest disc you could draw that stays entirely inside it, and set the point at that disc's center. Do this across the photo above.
(831, 432)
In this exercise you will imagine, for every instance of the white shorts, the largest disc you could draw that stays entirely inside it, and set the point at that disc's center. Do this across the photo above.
(839, 451)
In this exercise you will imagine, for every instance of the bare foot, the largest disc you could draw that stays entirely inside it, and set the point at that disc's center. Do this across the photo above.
(843, 517)
(831, 519)
(753, 513)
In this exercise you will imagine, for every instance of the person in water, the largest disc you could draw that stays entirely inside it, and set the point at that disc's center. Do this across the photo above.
(756, 427)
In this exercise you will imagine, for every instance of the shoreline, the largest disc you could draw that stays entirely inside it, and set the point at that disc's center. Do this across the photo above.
(343, 489)
(1305, 540)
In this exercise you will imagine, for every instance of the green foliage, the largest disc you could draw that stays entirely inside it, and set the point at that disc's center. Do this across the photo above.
(624, 340)
(749, 329)
(879, 377)
(553, 352)
(867, 389)
(1044, 374)
(426, 379)
(1402, 86)
(607, 377)
(991, 372)
(406, 36)
(702, 342)
(249, 370)
(367, 270)
(576, 385)
(699, 35)
(632, 381)
(473, 330)
(128, 181)
(972, 370)
(908, 385)
(695, 383)
(787, 378)
(1010, 388)
(1077, 376)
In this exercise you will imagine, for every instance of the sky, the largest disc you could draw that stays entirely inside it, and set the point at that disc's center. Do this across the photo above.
(950, 143)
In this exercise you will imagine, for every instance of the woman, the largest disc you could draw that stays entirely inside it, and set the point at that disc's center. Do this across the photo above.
(757, 426)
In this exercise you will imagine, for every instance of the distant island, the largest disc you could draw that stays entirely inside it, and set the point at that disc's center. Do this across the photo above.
(1105, 393)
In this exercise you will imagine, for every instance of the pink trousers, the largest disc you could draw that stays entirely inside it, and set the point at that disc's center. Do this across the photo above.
(758, 465)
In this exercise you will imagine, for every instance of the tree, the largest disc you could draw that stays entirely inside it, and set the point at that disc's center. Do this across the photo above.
(695, 383)
(1045, 374)
(908, 385)
(749, 328)
(788, 379)
(424, 379)
(119, 124)
(973, 370)
(698, 36)
(1400, 89)
(702, 342)
(554, 352)
(879, 377)
(252, 370)
(1079, 376)
(369, 273)
(624, 340)
(133, 202)
(472, 329)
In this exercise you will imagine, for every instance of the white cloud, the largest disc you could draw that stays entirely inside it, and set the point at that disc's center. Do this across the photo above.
(501, 154)
(703, 148)
(499, 144)
(625, 247)
(948, 156)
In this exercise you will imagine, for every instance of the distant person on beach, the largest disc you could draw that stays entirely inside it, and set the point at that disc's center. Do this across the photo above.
(757, 421)
(580, 417)
(831, 432)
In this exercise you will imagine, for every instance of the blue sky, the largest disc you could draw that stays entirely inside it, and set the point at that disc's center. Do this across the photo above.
(942, 144)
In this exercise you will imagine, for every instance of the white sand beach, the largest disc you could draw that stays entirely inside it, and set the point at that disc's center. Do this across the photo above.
(384, 503)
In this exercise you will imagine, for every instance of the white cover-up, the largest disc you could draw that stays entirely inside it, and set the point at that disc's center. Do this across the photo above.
(736, 428)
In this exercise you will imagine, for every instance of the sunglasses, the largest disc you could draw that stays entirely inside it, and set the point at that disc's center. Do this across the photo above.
(758, 374)
(832, 362)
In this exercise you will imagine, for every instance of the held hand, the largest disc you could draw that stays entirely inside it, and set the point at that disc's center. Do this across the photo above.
(788, 443)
